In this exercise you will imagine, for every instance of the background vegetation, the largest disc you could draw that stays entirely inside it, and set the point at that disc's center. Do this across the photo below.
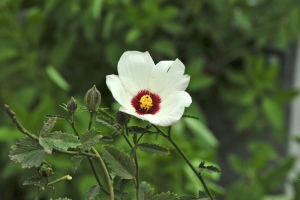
(234, 50)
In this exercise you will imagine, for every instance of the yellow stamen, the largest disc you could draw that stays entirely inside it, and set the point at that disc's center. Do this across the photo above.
(146, 102)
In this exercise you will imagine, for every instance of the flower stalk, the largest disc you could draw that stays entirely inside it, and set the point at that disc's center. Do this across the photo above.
(198, 174)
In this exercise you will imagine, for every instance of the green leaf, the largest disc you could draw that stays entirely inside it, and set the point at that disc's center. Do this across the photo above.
(106, 138)
(119, 162)
(55, 76)
(93, 192)
(48, 126)
(28, 152)
(153, 149)
(274, 114)
(59, 140)
(188, 197)
(56, 116)
(77, 160)
(107, 121)
(89, 139)
(165, 196)
(138, 129)
(145, 191)
(34, 180)
(190, 116)
(210, 168)
(62, 199)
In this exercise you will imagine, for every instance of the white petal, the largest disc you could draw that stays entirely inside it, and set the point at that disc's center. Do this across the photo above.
(134, 70)
(172, 108)
(167, 77)
(118, 91)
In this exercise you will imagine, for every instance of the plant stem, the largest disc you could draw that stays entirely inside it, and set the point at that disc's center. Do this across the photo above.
(109, 181)
(102, 164)
(137, 185)
(12, 115)
(67, 177)
(198, 174)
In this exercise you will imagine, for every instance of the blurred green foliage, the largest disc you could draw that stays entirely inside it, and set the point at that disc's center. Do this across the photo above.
(51, 50)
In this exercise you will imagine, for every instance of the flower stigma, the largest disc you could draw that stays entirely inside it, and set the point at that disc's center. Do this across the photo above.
(146, 102)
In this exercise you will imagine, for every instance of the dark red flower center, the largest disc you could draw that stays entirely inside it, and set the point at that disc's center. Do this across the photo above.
(146, 102)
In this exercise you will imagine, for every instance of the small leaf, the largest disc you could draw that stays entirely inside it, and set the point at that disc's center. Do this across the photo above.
(34, 180)
(59, 140)
(153, 149)
(165, 196)
(191, 116)
(188, 197)
(56, 116)
(48, 126)
(138, 129)
(119, 162)
(28, 152)
(107, 122)
(210, 168)
(62, 199)
(106, 138)
(77, 160)
(89, 139)
(93, 192)
(145, 191)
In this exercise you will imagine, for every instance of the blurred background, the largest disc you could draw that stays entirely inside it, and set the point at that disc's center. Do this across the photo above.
(244, 60)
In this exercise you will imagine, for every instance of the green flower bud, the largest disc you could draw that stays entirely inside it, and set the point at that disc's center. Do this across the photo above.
(92, 99)
(45, 171)
(72, 106)
(122, 118)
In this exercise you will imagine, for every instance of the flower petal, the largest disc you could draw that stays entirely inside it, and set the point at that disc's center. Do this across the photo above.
(118, 91)
(172, 108)
(134, 70)
(167, 77)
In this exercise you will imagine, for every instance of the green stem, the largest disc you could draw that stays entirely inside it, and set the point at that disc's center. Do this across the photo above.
(109, 181)
(67, 177)
(198, 174)
(137, 182)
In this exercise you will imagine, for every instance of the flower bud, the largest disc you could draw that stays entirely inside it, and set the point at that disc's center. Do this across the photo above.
(45, 171)
(122, 118)
(72, 106)
(92, 99)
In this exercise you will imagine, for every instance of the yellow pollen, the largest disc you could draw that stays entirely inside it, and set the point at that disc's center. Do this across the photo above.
(146, 102)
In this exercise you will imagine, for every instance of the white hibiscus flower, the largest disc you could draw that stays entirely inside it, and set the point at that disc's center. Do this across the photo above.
(155, 93)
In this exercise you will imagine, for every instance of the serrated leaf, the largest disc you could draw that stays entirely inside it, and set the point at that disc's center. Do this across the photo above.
(188, 197)
(77, 160)
(62, 199)
(106, 138)
(48, 126)
(107, 122)
(153, 149)
(89, 139)
(106, 114)
(145, 191)
(210, 168)
(59, 140)
(165, 196)
(34, 180)
(119, 162)
(28, 152)
(138, 129)
(55, 116)
(190, 116)
(93, 192)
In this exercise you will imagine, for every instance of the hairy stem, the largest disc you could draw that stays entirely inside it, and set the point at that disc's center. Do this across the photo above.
(198, 174)
(102, 164)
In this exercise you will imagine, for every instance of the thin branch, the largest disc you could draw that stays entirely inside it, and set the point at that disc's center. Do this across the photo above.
(198, 174)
